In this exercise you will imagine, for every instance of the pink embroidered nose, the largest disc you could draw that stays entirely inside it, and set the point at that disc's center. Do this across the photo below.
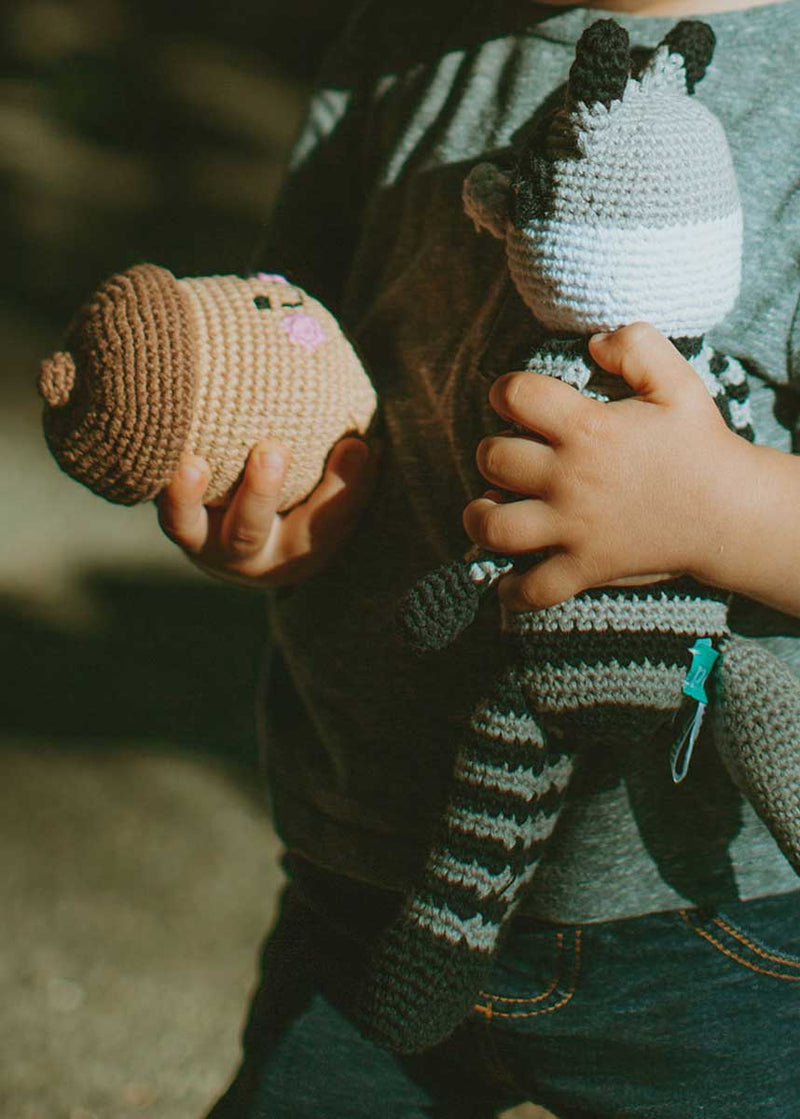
(271, 278)
(304, 329)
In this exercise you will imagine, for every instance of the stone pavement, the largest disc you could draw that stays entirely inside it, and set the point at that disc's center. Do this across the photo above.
(137, 882)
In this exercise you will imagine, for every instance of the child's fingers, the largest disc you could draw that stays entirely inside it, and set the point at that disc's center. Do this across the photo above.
(515, 463)
(558, 578)
(181, 512)
(316, 528)
(513, 527)
(541, 404)
(646, 359)
(249, 519)
(641, 580)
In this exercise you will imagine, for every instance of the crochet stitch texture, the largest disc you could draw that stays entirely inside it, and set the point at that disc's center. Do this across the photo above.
(155, 367)
(623, 206)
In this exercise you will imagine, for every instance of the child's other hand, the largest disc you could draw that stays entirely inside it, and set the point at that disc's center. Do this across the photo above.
(247, 541)
(616, 492)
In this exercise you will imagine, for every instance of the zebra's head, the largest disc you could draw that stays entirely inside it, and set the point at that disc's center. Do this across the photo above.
(623, 204)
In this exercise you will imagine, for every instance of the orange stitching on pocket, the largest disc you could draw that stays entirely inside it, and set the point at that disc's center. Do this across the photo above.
(732, 955)
(737, 935)
(489, 1012)
(535, 998)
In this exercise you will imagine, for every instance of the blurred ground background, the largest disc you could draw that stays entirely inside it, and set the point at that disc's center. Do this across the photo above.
(138, 867)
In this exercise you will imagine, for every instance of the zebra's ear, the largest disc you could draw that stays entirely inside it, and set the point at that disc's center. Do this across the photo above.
(486, 197)
(602, 65)
(694, 41)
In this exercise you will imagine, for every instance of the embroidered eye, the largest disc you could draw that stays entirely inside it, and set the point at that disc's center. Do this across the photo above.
(264, 303)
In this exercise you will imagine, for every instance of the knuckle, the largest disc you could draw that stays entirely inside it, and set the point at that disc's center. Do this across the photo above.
(180, 539)
(546, 590)
(590, 422)
(586, 569)
(556, 580)
(527, 596)
(262, 487)
(243, 540)
(636, 334)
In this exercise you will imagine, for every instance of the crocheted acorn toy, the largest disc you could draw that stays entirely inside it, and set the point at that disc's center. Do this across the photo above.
(623, 207)
(154, 367)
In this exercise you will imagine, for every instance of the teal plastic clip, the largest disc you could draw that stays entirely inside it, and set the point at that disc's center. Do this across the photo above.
(690, 718)
(704, 657)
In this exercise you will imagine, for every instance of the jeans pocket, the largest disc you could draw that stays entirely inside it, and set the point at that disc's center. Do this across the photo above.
(762, 936)
(536, 974)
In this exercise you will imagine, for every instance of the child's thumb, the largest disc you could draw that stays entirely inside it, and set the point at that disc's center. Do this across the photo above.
(350, 459)
(338, 500)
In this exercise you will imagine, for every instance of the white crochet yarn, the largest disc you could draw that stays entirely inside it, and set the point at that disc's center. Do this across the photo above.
(583, 277)
(642, 219)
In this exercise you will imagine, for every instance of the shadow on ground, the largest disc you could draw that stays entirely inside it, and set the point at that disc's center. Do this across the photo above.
(161, 659)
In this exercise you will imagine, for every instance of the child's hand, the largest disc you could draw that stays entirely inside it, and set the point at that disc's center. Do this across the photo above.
(616, 491)
(247, 541)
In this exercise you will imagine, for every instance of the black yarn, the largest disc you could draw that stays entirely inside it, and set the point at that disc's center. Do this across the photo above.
(688, 346)
(515, 763)
(718, 363)
(532, 176)
(601, 68)
(532, 190)
(695, 42)
(439, 607)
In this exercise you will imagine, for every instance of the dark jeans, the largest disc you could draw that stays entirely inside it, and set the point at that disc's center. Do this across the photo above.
(670, 1016)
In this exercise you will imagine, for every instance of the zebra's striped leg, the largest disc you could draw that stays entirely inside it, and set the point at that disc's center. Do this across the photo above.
(757, 724)
(509, 786)
(732, 395)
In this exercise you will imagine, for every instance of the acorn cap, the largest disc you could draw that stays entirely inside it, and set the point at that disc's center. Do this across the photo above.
(119, 397)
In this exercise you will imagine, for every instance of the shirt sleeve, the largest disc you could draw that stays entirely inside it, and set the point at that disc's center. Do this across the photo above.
(312, 233)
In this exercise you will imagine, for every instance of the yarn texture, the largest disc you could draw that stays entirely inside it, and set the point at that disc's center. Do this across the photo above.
(154, 367)
(622, 206)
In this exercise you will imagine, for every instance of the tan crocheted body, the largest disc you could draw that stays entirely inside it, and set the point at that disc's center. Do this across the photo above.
(156, 366)
(282, 369)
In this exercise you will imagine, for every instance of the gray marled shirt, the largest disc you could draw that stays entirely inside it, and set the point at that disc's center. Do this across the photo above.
(359, 734)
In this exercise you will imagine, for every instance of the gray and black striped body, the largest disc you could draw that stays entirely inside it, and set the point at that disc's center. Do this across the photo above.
(622, 206)
(568, 360)
(603, 669)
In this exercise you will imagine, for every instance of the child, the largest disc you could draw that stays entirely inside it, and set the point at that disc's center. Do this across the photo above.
(653, 967)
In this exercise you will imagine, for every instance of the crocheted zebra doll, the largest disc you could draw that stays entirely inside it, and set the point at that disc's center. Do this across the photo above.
(623, 207)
